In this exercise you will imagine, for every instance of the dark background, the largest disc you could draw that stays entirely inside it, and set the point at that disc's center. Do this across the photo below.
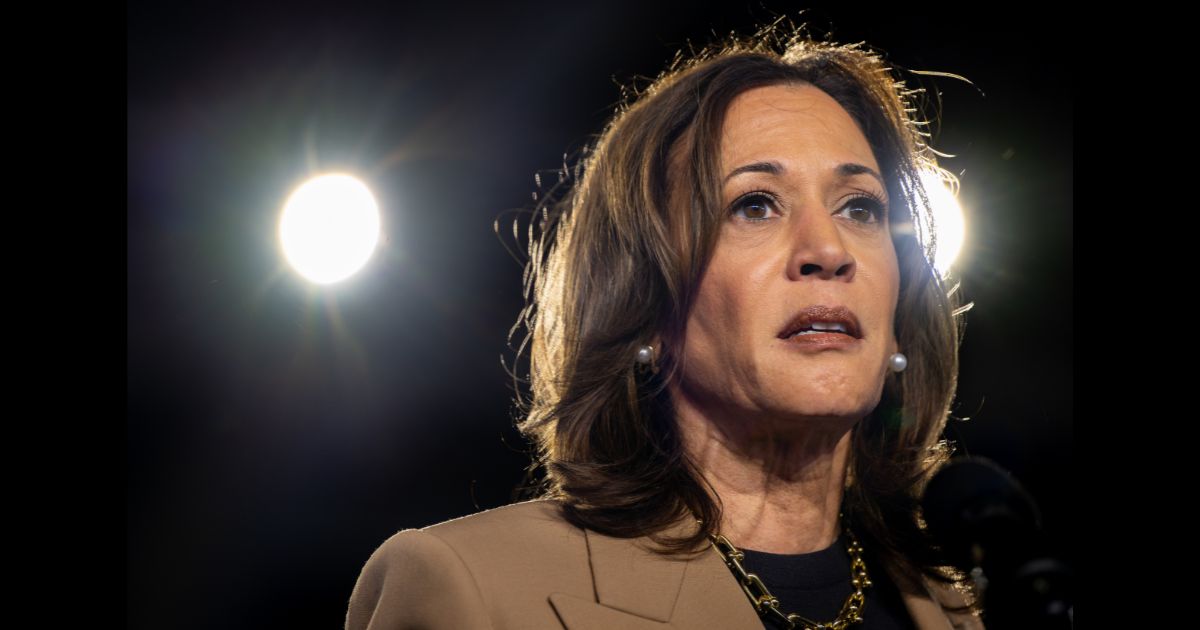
(277, 433)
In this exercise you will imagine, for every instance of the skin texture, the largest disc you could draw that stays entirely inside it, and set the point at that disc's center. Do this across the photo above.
(768, 421)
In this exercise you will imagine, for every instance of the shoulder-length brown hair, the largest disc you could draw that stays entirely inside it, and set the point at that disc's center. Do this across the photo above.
(611, 267)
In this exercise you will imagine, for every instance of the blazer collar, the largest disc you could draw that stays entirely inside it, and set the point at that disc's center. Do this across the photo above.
(640, 590)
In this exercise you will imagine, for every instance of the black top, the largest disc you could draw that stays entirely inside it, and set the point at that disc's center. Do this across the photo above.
(816, 585)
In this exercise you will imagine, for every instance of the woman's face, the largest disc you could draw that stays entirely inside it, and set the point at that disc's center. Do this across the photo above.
(805, 226)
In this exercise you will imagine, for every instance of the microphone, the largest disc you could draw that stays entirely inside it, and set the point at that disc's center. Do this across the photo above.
(989, 527)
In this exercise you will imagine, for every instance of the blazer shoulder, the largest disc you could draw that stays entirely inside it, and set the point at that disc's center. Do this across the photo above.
(532, 511)
(531, 539)
(408, 581)
(539, 520)
(495, 569)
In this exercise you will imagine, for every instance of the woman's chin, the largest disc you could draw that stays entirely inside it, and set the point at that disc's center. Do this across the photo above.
(820, 405)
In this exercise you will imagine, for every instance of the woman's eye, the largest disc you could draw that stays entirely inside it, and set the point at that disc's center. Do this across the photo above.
(865, 209)
(757, 207)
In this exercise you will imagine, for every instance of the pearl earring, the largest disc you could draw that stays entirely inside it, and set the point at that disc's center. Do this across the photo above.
(645, 355)
(898, 362)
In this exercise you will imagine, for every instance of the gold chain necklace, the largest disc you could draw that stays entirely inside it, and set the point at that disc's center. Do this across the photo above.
(768, 606)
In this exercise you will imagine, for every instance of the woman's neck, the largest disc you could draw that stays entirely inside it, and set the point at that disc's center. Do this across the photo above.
(781, 490)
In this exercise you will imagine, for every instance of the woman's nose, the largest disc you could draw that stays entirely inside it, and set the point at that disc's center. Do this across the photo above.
(818, 251)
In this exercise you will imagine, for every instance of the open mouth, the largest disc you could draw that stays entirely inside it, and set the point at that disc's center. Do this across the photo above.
(823, 320)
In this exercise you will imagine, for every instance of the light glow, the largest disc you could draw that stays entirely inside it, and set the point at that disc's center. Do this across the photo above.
(947, 217)
(329, 228)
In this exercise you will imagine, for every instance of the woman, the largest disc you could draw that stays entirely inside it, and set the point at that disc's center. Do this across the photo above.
(741, 363)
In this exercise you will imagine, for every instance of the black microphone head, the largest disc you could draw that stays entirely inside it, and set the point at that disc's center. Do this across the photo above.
(988, 526)
(973, 503)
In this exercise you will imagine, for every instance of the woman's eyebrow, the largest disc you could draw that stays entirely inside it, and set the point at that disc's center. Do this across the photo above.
(849, 169)
(772, 168)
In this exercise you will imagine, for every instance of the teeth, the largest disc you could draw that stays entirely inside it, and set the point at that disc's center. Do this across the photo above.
(819, 327)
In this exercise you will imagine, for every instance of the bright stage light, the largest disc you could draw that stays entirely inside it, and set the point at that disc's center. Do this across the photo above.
(329, 228)
(948, 221)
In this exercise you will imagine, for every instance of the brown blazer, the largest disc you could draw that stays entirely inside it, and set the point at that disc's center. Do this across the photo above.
(523, 567)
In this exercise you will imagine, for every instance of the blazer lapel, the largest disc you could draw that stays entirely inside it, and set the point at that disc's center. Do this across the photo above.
(640, 590)
(577, 613)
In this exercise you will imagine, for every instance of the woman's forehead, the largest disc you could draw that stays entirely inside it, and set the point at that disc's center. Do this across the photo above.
(797, 126)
